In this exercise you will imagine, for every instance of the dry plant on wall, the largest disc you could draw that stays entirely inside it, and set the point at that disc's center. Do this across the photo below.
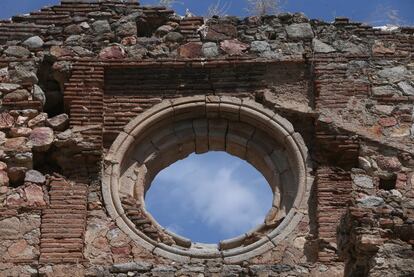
(218, 9)
(263, 7)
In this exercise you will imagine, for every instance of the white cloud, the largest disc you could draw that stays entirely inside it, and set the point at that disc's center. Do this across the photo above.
(216, 195)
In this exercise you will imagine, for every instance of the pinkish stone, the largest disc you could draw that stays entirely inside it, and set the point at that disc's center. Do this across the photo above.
(233, 47)
(389, 163)
(6, 121)
(3, 166)
(112, 52)
(16, 144)
(190, 50)
(58, 51)
(34, 195)
(20, 132)
(41, 138)
(387, 121)
(127, 41)
(59, 122)
(15, 200)
(4, 178)
(38, 120)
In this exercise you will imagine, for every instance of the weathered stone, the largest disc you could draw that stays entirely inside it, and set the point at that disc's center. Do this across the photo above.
(17, 95)
(112, 52)
(34, 176)
(73, 29)
(21, 250)
(17, 51)
(17, 144)
(20, 132)
(34, 195)
(38, 94)
(174, 37)
(210, 50)
(219, 32)
(389, 163)
(163, 30)
(126, 29)
(385, 91)
(370, 201)
(58, 52)
(233, 47)
(400, 132)
(41, 138)
(406, 88)
(10, 228)
(388, 121)
(190, 50)
(21, 75)
(321, 47)
(59, 122)
(34, 42)
(259, 46)
(7, 88)
(299, 31)
(38, 120)
(384, 109)
(363, 181)
(383, 47)
(393, 74)
(101, 26)
(6, 121)
(4, 178)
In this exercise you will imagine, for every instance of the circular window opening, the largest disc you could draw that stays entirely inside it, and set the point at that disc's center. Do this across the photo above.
(170, 132)
(214, 196)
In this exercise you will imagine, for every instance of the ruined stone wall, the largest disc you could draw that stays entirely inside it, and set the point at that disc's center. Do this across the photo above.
(74, 75)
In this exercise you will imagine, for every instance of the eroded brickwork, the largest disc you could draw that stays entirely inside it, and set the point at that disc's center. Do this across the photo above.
(74, 75)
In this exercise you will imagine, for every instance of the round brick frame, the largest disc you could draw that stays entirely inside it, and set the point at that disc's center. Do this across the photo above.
(211, 108)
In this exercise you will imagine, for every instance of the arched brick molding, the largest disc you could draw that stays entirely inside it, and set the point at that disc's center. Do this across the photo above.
(176, 128)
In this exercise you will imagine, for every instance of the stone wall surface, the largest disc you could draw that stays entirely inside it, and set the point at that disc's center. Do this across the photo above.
(73, 77)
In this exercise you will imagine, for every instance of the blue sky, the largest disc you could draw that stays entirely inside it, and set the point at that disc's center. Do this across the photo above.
(209, 197)
(375, 12)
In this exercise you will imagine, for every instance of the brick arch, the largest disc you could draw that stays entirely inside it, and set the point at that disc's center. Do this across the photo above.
(176, 128)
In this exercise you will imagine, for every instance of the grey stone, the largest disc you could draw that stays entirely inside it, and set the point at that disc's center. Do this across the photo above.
(126, 29)
(34, 42)
(137, 51)
(21, 75)
(406, 88)
(59, 122)
(385, 91)
(321, 47)
(370, 201)
(300, 31)
(7, 88)
(384, 109)
(174, 37)
(132, 266)
(10, 228)
(363, 181)
(101, 26)
(163, 30)
(17, 51)
(259, 46)
(293, 48)
(38, 94)
(17, 95)
(393, 74)
(210, 50)
(34, 176)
